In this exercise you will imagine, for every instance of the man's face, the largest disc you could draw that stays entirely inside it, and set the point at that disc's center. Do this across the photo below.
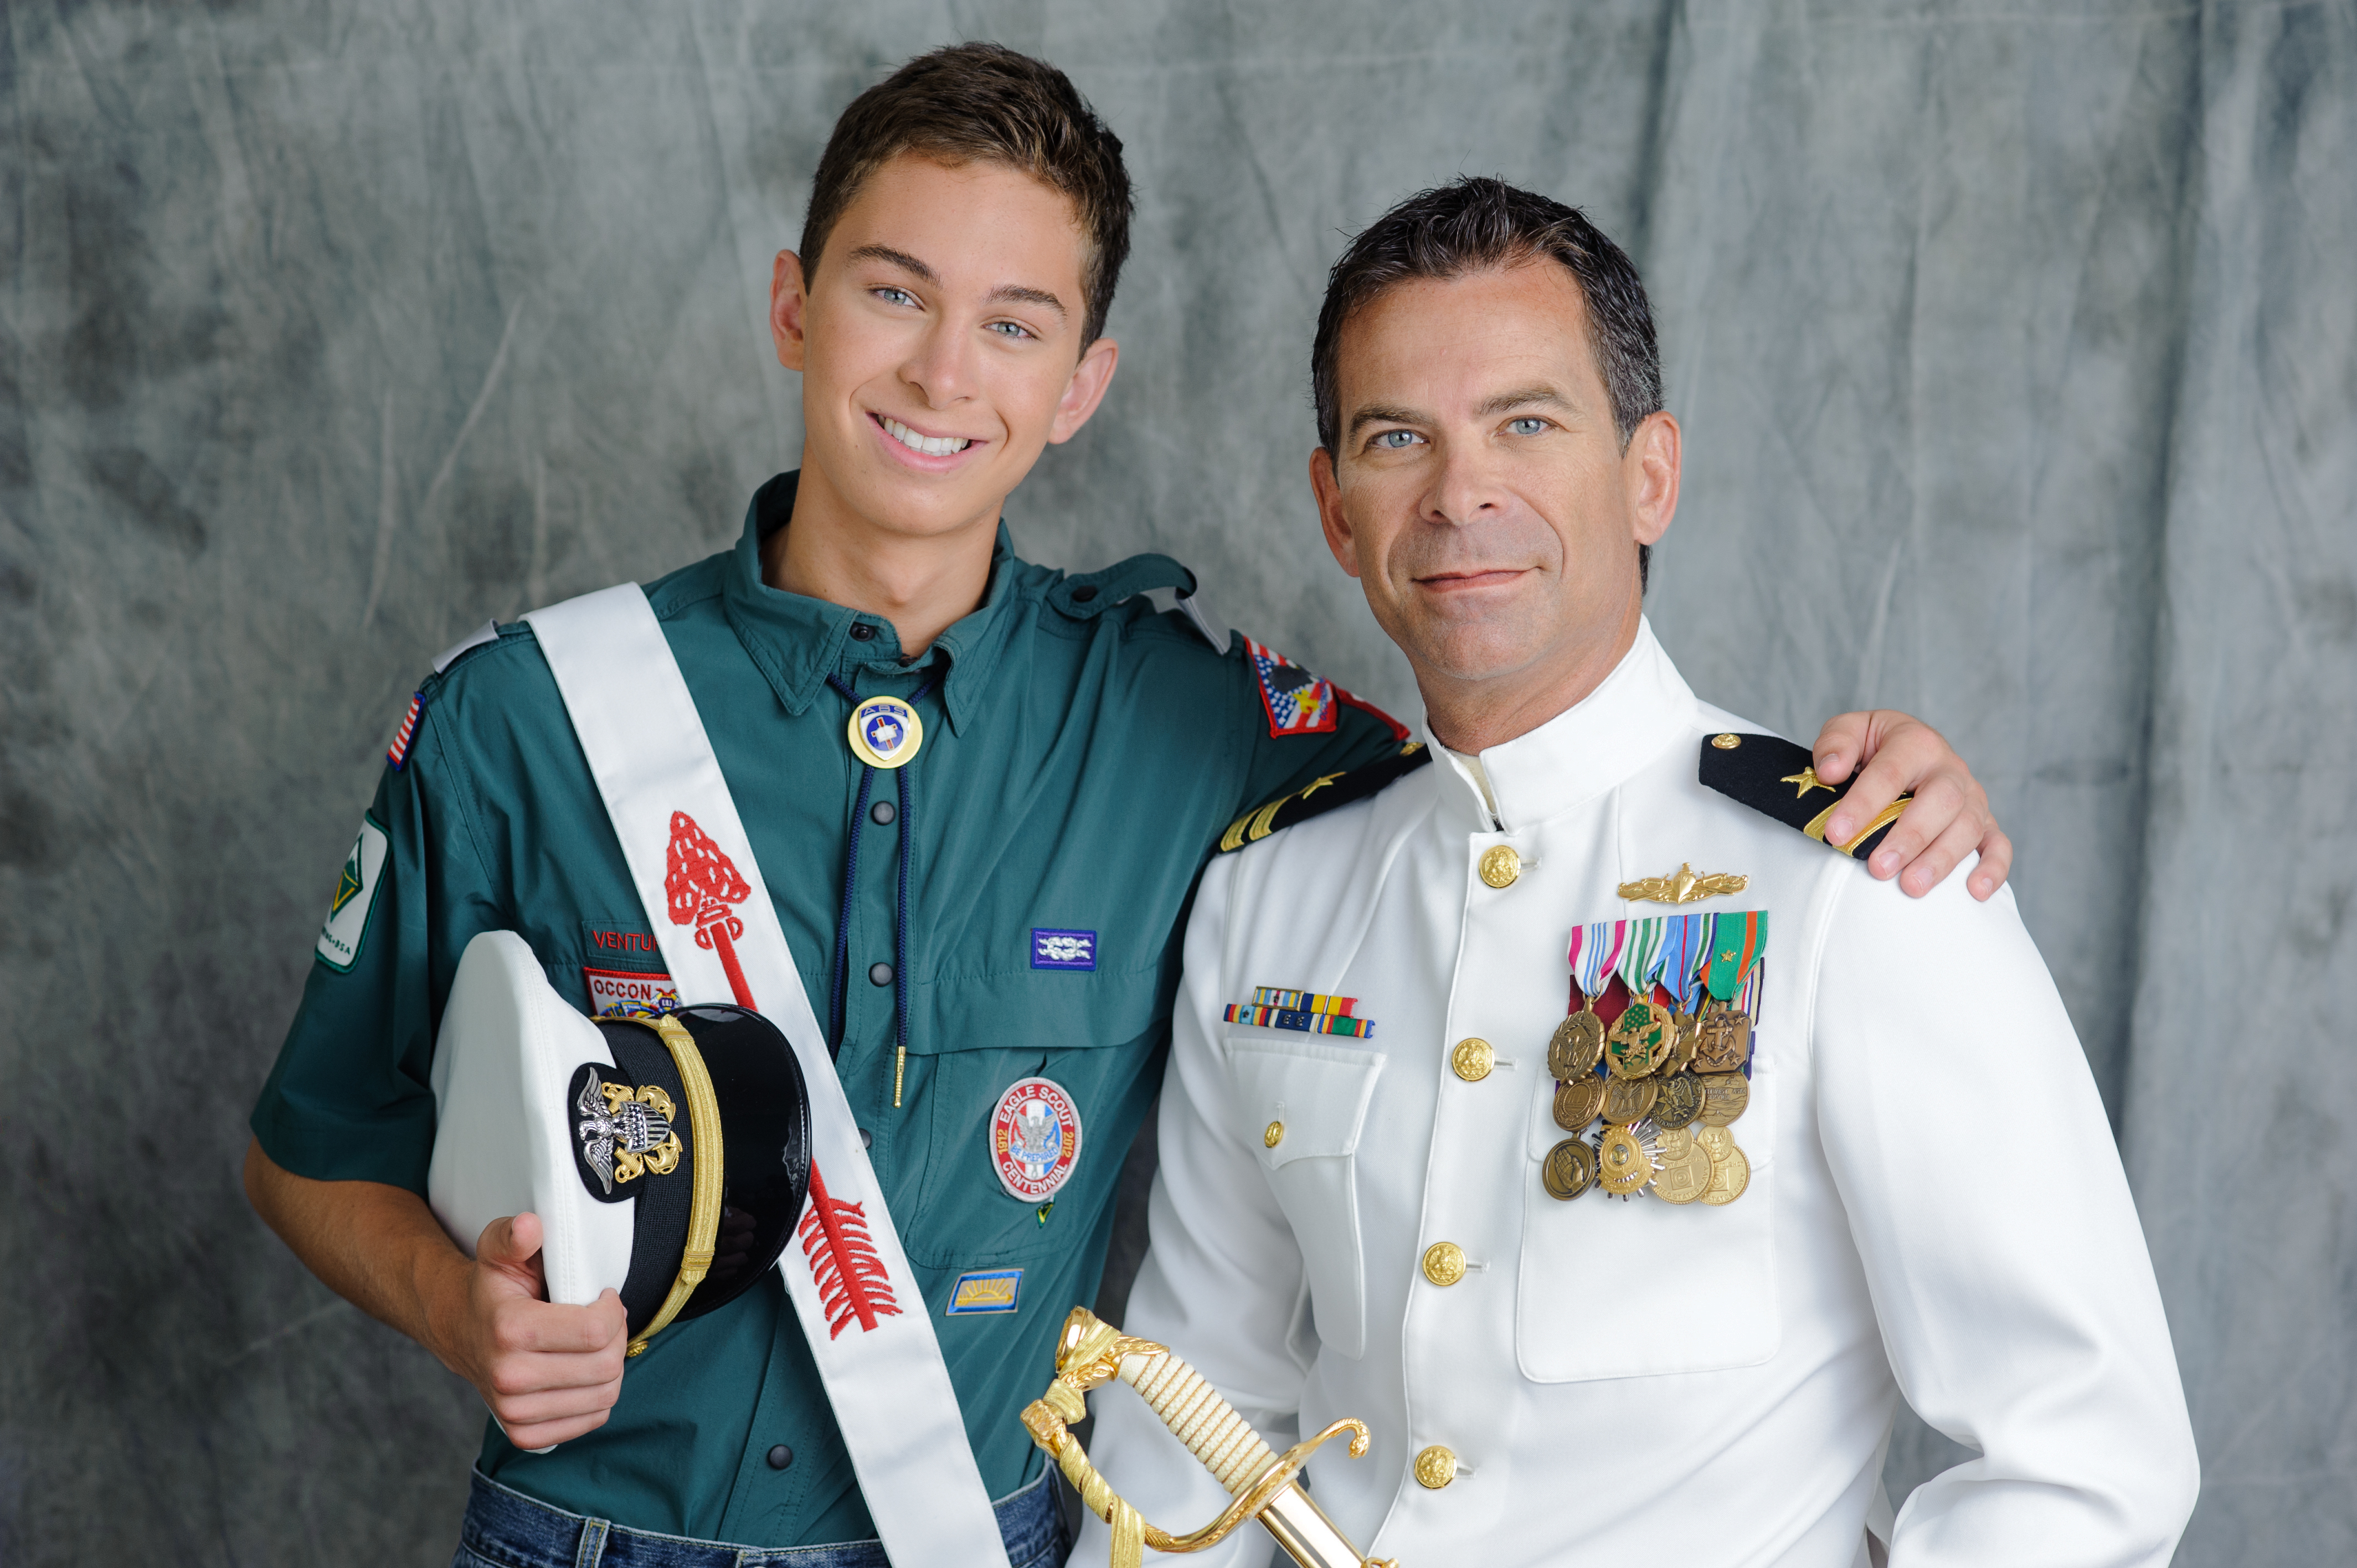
(939, 342)
(1480, 493)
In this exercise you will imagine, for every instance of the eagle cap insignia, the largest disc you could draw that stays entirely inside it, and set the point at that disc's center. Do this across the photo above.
(623, 1131)
(1683, 886)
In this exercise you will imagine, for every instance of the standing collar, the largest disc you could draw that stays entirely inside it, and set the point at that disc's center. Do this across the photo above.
(797, 641)
(1581, 753)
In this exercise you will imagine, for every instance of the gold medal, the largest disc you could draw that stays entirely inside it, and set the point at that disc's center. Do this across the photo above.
(1671, 1143)
(1626, 1101)
(1725, 1097)
(1578, 1103)
(1686, 1037)
(1686, 1170)
(1722, 1041)
(1640, 1042)
(1717, 1140)
(885, 732)
(1730, 1172)
(1568, 1170)
(1679, 1101)
(1577, 1045)
(1621, 1165)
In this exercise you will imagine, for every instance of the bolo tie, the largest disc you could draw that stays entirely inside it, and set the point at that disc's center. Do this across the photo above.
(885, 733)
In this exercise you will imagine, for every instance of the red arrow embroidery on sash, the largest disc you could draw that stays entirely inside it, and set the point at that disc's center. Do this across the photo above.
(851, 1277)
(700, 883)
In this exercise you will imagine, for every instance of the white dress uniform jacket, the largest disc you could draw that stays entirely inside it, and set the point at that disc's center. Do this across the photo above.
(1936, 1208)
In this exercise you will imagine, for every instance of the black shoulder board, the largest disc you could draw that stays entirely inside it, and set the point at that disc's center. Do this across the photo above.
(1771, 774)
(1322, 795)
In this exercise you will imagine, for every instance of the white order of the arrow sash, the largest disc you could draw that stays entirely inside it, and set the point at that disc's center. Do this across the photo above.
(852, 1288)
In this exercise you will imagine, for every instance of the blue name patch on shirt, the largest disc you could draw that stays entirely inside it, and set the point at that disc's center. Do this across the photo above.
(996, 1289)
(1063, 950)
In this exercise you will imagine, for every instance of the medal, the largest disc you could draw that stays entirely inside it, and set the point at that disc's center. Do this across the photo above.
(885, 732)
(1725, 1097)
(1621, 1164)
(1568, 1170)
(1679, 1101)
(1730, 1172)
(1577, 1103)
(1640, 1042)
(1626, 1101)
(1687, 1169)
(1577, 1045)
(1685, 939)
(1722, 1040)
(1737, 942)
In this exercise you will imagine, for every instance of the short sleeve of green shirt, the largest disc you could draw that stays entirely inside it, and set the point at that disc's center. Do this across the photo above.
(349, 1098)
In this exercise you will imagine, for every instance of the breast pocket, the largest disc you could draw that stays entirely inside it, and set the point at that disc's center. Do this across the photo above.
(1303, 1104)
(1693, 1287)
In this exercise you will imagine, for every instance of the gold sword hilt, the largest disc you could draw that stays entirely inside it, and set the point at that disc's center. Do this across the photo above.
(1091, 1353)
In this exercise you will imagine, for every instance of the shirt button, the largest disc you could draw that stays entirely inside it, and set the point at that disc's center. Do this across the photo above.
(863, 632)
(1501, 865)
(1444, 1264)
(1471, 1059)
(881, 813)
(880, 974)
(1436, 1468)
(780, 1456)
(866, 1139)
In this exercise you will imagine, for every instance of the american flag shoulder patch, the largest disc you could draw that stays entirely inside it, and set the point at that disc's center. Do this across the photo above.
(1297, 702)
(398, 752)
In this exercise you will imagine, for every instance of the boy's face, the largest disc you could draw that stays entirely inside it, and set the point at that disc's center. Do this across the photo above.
(939, 342)
(1480, 494)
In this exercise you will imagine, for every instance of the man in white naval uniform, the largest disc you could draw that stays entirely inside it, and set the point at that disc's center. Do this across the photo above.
(1362, 1223)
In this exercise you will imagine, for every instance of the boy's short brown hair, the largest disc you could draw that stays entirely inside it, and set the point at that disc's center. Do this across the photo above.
(985, 101)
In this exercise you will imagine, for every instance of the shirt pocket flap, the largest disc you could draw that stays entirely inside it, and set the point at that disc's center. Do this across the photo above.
(1300, 1099)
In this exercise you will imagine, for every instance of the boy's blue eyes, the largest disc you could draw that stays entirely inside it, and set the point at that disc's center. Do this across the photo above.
(891, 296)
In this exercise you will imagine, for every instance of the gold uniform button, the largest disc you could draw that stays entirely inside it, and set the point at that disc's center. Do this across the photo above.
(1436, 1468)
(1274, 1136)
(1501, 865)
(1726, 742)
(1472, 1059)
(1444, 1263)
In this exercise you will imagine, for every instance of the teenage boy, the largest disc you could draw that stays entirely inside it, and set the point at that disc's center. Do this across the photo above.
(993, 904)
(1862, 1152)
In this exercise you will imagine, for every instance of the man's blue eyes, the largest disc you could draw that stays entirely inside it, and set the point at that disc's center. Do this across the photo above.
(1526, 426)
(1394, 440)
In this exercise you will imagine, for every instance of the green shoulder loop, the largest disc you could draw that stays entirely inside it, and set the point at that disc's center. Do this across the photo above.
(1778, 779)
(1322, 795)
(1093, 593)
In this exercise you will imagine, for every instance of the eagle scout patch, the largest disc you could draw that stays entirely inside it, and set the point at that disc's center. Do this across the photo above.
(1298, 701)
(1034, 1139)
(993, 1290)
(356, 884)
(626, 994)
(1063, 950)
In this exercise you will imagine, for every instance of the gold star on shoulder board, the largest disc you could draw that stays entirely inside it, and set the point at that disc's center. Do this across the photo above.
(1684, 886)
(1807, 779)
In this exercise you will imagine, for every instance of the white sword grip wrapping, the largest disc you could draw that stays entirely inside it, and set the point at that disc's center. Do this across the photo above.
(1193, 1410)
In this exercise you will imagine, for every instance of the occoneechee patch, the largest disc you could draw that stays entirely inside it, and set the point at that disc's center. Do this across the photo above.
(622, 993)
(348, 917)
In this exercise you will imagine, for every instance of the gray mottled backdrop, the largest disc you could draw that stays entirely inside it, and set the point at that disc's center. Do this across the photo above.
(2016, 347)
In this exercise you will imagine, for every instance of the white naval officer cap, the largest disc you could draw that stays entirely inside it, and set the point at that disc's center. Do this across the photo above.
(667, 1156)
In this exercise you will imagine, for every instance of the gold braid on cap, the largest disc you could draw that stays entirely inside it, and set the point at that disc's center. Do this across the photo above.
(704, 1206)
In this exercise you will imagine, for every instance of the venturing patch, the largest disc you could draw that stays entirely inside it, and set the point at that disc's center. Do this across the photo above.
(356, 884)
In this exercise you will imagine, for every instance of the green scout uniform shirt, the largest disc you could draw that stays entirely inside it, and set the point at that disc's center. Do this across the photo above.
(1080, 759)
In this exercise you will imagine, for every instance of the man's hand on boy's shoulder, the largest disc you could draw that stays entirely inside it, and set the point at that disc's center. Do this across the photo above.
(1949, 817)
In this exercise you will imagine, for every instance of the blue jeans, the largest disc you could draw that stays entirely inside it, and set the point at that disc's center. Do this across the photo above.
(504, 1529)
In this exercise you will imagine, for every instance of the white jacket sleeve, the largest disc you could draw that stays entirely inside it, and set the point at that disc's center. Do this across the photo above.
(2000, 1244)
(1221, 1279)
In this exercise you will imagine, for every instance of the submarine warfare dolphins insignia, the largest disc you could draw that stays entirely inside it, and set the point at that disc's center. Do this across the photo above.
(622, 1132)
